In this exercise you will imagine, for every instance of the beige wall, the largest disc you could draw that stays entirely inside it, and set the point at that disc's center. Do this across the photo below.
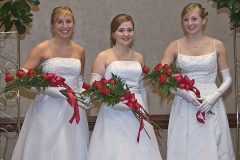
(157, 23)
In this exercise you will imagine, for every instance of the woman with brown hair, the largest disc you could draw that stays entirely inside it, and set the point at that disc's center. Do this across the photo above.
(115, 133)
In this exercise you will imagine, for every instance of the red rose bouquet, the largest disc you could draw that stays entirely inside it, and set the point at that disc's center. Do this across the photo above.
(36, 78)
(161, 78)
(113, 91)
(166, 78)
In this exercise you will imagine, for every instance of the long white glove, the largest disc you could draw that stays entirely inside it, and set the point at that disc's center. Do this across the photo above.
(54, 92)
(209, 101)
(187, 95)
(80, 82)
(95, 77)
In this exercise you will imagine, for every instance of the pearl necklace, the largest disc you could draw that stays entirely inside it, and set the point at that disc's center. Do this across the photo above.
(120, 56)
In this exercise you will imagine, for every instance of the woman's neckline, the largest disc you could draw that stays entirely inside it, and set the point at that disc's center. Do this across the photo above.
(121, 61)
(45, 61)
(213, 52)
(120, 56)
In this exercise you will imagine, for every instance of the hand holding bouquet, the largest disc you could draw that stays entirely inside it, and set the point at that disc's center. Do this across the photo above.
(39, 80)
(114, 91)
(168, 79)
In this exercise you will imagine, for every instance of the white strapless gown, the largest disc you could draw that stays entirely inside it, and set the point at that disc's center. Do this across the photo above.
(187, 138)
(46, 133)
(115, 133)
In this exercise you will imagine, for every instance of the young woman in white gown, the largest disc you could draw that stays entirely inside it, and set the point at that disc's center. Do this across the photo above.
(115, 134)
(199, 57)
(46, 133)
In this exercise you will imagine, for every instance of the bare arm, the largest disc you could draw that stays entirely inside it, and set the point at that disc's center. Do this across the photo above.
(34, 58)
(99, 64)
(139, 58)
(82, 57)
(170, 53)
(222, 55)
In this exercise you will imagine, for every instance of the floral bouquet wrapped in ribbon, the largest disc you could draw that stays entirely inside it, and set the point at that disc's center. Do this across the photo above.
(39, 80)
(168, 79)
(112, 92)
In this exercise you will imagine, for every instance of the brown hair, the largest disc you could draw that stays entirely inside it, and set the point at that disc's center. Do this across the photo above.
(116, 22)
(64, 10)
(192, 6)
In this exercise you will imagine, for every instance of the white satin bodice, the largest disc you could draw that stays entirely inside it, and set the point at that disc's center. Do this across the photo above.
(129, 71)
(203, 69)
(68, 68)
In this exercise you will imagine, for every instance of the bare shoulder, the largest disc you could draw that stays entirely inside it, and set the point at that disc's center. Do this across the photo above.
(99, 63)
(77, 46)
(40, 49)
(78, 49)
(220, 47)
(174, 44)
(219, 43)
(41, 46)
(102, 55)
(172, 47)
(138, 57)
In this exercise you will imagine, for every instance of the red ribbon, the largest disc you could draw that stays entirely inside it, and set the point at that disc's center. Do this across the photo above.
(73, 103)
(58, 81)
(137, 108)
(187, 84)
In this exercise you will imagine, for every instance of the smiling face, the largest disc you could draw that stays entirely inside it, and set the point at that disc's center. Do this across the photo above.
(193, 18)
(124, 34)
(192, 22)
(122, 30)
(62, 22)
(63, 26)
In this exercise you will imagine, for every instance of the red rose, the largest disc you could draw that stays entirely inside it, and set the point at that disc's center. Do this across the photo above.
(20, 73)
(53, 83)
(122, 98)
(105, 91)
(158, 67)
(103, 81)
(85, 85)
(111, 81)
(166, 65)
(162, 79)
(30, 73)
(97, 85)
(145, 69)
(47, 76)
(56, 80)
(177, 75)
(8, 77)
(168, 70)
(59, 79)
